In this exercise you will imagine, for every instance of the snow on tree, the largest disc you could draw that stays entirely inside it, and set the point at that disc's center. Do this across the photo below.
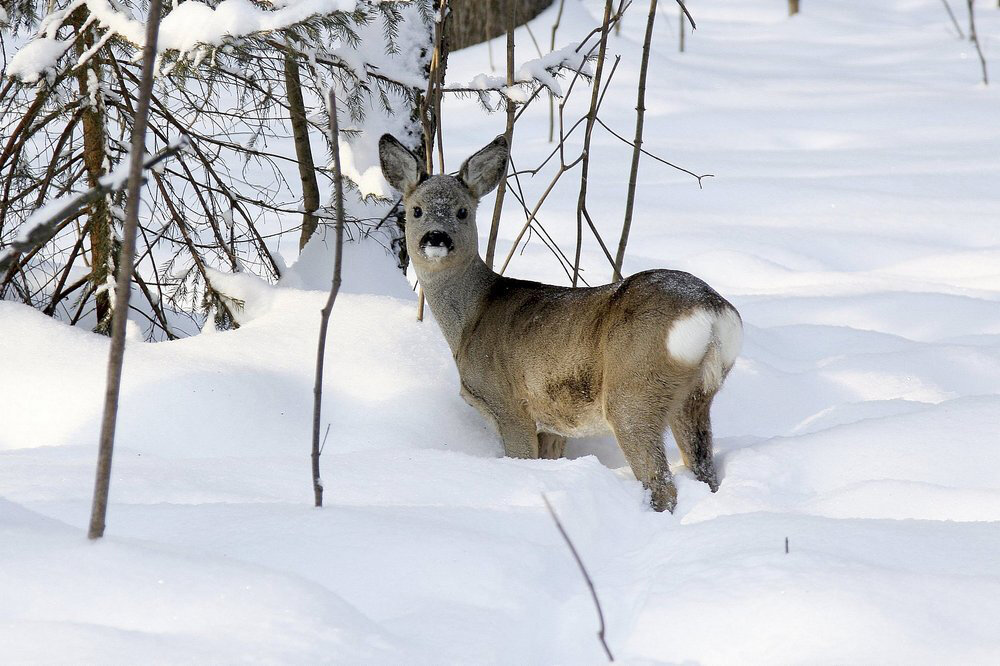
(243, 83)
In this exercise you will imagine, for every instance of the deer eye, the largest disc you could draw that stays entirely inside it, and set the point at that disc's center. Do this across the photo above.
(462, 213)
(417, 212)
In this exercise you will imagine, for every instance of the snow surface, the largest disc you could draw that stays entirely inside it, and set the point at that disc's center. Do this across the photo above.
(852, 220)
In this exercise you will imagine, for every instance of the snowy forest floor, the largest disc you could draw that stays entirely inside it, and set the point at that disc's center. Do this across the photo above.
(853, 220)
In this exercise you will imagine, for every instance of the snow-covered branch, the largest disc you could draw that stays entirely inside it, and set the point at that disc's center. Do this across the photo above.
(188, 31)
(46, 222)
(542, 70)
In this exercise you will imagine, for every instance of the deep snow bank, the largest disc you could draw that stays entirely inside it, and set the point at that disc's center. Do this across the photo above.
(852, 221)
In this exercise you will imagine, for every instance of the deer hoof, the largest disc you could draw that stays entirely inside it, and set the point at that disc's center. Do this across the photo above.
(664, 496)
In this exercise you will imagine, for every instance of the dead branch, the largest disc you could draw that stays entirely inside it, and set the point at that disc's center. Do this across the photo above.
(975, 40)
(199, 262)
(586, 576)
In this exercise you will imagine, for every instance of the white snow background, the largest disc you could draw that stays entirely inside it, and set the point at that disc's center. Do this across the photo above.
(853, 220)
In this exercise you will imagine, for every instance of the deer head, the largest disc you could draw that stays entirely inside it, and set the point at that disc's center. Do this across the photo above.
(441, 210)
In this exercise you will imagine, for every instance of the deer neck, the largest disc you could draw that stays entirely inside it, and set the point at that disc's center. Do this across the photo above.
(456, 296)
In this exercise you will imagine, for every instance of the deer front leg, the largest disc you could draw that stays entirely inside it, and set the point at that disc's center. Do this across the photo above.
(517, 432)
(520, 437)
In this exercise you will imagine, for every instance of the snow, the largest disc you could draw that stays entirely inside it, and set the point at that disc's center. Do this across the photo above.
(852, 221)
(571, 57)
(191, 24)
(359, 158)
(436, 252)
(187, 28)
(36, 57)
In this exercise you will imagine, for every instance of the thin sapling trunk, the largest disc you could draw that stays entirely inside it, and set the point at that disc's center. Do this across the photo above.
(640, 112)
(123, 286)
(491, 244)
(581, 205)
(328, 308)
(552, 47)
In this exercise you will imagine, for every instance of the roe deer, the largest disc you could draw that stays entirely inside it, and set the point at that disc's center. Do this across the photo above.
(542, 362)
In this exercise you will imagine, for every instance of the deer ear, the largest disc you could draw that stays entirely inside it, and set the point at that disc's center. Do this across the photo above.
(399, 166)
(483, 171)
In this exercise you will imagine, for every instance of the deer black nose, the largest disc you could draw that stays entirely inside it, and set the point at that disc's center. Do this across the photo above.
(436, 244)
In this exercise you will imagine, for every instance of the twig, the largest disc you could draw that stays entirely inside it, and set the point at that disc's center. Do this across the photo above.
(189, 242)
(57, 293)
(328, 308)
(586, 576)
(47, 230)
(563, 165)
(657, 158)
(161, 317)
(562, 169)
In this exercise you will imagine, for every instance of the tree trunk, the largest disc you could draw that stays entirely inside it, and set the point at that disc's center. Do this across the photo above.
(96, 160)
(303, 151)
(470, 20)
(793, 7)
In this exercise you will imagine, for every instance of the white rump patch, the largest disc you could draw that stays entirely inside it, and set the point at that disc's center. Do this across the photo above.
(709, 339)
(690, 336)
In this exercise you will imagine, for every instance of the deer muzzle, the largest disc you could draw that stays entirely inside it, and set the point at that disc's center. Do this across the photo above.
(436, 245)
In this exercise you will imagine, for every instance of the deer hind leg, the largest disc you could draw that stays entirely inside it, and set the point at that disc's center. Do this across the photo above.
(692, 429)
(638, 426)
(551, 446)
